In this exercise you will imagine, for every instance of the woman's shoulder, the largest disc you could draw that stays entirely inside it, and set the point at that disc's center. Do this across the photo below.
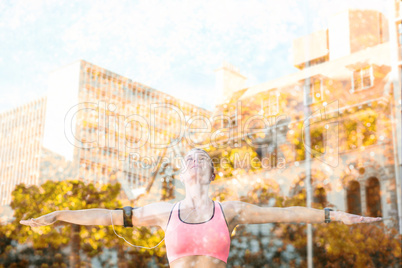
(231, 209)
(231, 205)
(158, 209)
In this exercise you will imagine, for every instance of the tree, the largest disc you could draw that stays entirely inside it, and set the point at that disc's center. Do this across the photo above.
(334, 244)
(34, 201)
(340, 245)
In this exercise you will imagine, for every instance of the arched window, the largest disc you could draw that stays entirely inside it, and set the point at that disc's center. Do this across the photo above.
(167, 188)
(373, 198)
(320, 197)
(353, 198)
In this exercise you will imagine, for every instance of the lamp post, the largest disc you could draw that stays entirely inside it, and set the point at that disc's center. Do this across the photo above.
(307, 138)
(396, 63)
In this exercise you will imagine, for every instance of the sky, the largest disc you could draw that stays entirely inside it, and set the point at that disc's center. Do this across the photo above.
(172, 46)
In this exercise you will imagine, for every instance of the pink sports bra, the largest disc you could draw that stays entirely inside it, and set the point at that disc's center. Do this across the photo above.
(210, 238)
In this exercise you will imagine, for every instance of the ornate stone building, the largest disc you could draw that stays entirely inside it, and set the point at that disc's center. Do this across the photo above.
(333, 121)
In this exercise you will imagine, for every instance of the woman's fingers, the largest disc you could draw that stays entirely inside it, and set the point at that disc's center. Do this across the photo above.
(371, 219)
(32, 222)
(29, 222)
(25, 222)
(44, 220)
(351, 219)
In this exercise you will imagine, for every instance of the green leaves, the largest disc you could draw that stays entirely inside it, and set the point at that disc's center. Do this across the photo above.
(33, 201)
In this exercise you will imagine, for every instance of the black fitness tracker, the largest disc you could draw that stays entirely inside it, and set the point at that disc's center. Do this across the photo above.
(327, 218)
(127, 216)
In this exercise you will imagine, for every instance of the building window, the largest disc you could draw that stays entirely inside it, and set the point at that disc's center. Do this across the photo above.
(317, 141)
(233, 120)
(224, 121)
(350, 128)
(362, 78)
(369, 130)
(373, 198)
(270, 104)
(320, 197)
(167, 188)
(316, 89)
(353, 198)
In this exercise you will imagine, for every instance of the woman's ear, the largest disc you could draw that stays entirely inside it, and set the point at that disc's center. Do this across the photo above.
(213, 177)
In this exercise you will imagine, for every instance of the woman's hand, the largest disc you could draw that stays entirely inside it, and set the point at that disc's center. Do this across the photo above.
(348, 218)
(41, 221)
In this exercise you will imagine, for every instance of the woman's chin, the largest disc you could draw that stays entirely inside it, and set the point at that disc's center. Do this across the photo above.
(195, 178)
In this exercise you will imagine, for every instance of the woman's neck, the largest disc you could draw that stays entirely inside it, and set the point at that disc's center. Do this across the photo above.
(197, 197)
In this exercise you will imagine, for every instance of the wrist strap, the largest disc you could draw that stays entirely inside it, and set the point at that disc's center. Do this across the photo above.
(127, 216)
(327, 216)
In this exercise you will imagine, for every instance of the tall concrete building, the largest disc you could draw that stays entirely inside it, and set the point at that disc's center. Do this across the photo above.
(113, 128)
(21, 137)
(54, 167)
(98, 127)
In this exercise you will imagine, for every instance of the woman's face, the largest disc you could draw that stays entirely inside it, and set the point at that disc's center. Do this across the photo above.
(199, 168)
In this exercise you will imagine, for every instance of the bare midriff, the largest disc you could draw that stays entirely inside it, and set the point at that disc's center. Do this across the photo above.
(198, 262)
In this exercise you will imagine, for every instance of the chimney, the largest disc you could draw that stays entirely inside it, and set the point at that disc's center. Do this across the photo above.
(228, 81)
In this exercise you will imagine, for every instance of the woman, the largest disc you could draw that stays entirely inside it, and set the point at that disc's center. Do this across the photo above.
(197, 229)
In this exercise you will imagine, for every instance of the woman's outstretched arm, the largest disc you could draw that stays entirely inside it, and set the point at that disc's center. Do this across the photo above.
(96, 216)
(150, 215)
(250, 214)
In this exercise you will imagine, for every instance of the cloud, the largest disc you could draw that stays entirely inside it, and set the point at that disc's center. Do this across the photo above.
(164, 39)
(173, 46)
